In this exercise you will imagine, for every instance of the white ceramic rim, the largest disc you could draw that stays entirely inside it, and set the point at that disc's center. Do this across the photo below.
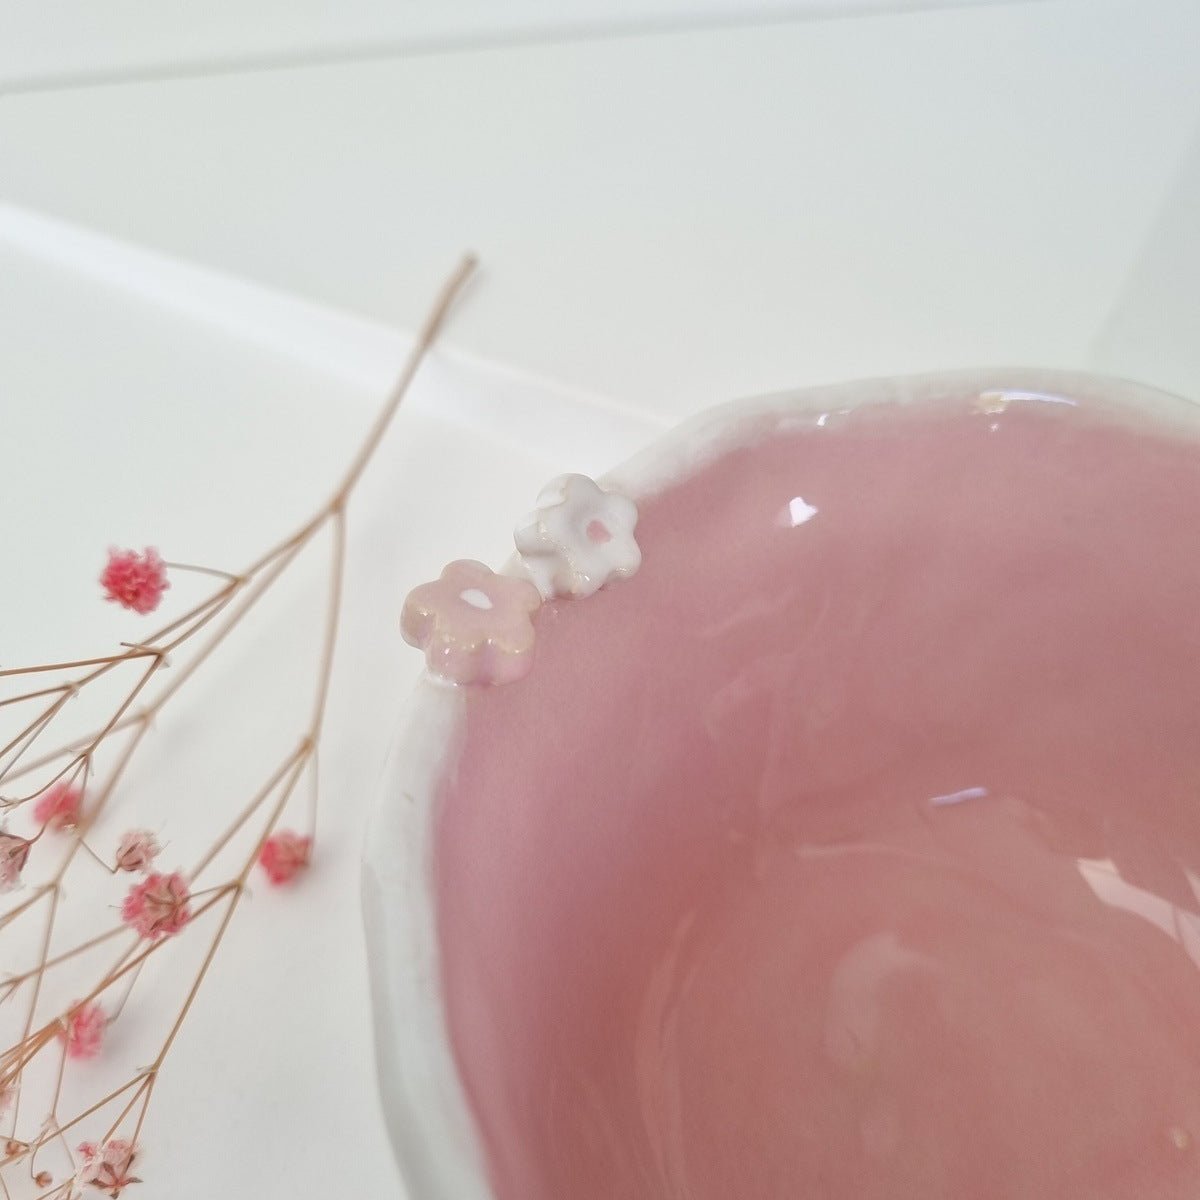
(424, 1103)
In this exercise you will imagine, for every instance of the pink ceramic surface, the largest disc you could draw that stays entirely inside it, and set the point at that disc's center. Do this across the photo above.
(473, 624)
(849, 849)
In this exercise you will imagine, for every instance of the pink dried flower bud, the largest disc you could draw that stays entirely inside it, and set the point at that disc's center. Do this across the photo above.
(43, 1179)
(158, 906)
(14, 852)
(58, 806)
(136, 850)
(109, 1167)
(83, 1030)
(135, 581)
(284, 855)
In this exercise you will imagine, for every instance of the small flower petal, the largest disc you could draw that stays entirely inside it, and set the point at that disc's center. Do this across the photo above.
(158, 906)
(135, 581)
(284, 855)
(58, 806)
(14, 853)
(83, 1030)
(136, 850)
(108, 1168)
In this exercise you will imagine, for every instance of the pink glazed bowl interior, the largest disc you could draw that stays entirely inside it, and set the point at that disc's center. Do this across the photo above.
(851, 849)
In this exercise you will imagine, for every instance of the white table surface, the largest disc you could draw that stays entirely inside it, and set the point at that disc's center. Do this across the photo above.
(666, 220)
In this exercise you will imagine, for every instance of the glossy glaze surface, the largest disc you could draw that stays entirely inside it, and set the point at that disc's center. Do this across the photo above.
(852, 848)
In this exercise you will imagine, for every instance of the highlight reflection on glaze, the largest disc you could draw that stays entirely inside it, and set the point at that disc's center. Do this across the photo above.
(855, 861)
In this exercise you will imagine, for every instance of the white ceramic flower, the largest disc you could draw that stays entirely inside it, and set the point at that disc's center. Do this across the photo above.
(579, 538)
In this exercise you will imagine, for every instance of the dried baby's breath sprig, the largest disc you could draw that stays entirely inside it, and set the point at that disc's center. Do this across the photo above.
(67, 794)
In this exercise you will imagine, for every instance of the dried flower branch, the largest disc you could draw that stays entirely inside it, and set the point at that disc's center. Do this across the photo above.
(69, 787)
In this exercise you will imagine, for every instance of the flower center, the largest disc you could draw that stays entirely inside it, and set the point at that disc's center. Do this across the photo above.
(476, 598)
(598, 532)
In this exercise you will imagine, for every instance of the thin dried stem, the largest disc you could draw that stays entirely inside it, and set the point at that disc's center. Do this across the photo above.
(314, 790)
(28, 736)
(56, 690)
(15, 981)
(53, 1118)
(87, 1112)
(99, 860)
(119, 1007)
(45, 668)
(426, 336)
(196, 569)
(30, 902)
(74, 745)
(142, 1093)
(250, 809)
(223, 610)
(332, 617)
(38, 976)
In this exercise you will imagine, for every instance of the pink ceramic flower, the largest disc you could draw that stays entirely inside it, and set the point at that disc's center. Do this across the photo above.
(58, 806)
(158, 906)
(473, 624)
(83, 1030)
(135, 581)
(284, 855)
(108, 1168)
(14, 851)
(136, 850)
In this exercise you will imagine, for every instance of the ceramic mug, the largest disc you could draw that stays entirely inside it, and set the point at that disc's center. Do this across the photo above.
(845, 843)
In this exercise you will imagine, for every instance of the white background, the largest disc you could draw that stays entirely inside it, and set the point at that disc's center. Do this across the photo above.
(679, 217)
(667, 218)
(68, 41)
